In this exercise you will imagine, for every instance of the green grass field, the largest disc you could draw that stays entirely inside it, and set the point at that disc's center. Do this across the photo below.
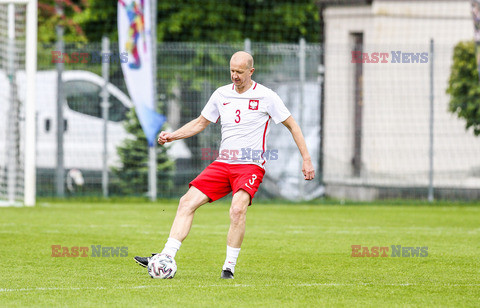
(293, 255)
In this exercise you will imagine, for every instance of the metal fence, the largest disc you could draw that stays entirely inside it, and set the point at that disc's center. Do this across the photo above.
(187, 75)
(368, 126)
(388, 131)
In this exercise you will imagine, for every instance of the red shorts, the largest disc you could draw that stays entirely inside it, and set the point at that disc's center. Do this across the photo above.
(219, 179)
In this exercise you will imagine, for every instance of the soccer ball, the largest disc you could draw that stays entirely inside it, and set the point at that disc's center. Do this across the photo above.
(162, 266)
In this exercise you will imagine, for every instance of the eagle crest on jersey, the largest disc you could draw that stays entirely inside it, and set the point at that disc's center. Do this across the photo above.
(253, 104)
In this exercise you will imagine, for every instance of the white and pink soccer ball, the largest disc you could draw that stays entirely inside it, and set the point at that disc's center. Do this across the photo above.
(162, 266)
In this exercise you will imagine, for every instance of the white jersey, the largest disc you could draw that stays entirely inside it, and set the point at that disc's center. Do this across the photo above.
(245, 122)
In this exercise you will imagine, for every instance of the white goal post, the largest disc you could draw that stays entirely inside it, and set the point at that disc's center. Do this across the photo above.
(29, 146)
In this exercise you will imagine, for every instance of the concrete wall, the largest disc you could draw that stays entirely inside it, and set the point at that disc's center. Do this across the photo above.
(395, 143)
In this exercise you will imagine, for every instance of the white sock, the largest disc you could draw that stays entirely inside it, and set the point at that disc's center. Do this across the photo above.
(231, 260)
(171, 247)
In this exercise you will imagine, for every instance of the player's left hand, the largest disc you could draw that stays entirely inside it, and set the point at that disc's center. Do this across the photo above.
(307, 169)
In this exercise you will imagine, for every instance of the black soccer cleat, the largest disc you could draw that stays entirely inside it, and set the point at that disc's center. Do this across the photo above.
(227, 274)
(143, 261)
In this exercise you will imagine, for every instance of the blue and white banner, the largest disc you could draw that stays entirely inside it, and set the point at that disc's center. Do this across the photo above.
(134, 37)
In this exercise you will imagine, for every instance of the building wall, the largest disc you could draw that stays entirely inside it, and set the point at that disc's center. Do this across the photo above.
(396, 96)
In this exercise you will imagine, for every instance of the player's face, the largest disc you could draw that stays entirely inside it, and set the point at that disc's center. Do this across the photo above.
(240, 73)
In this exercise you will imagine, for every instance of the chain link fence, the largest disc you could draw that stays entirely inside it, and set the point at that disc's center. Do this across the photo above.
(187, 75)
(371, 99)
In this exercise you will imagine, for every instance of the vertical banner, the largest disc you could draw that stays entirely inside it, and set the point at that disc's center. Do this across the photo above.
(476, 23)
(134, 38)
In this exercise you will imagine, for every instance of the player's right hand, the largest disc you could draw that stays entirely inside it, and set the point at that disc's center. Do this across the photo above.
(164, 137)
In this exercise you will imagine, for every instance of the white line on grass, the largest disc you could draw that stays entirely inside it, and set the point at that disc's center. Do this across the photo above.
(236, 286)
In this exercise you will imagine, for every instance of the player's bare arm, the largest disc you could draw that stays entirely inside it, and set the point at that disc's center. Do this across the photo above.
(295, 130)
(188, 130)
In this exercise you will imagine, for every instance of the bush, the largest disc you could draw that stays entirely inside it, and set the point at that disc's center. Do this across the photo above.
(464, 86)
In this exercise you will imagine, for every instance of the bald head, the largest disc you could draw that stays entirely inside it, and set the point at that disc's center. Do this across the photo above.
(242, 58)
(241, 70)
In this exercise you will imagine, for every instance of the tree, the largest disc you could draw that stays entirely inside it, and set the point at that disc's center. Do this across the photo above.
(233, 21)
(132, 175)
(48, 18)
(214, 20)
(464, 86)
(99, 18)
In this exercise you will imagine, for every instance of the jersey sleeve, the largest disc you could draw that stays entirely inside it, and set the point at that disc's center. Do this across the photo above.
(210, 111)
(277, 109)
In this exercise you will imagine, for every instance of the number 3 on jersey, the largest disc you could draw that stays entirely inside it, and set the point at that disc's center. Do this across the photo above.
(237, 118)
(251, 181)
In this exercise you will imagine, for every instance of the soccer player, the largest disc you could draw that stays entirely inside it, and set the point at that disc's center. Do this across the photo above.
(244, 109)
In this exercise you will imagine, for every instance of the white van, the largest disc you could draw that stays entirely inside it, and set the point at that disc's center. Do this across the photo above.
(83, 137)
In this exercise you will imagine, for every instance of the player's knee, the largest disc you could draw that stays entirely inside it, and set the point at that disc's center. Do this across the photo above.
(186, 205)
(237, 214)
